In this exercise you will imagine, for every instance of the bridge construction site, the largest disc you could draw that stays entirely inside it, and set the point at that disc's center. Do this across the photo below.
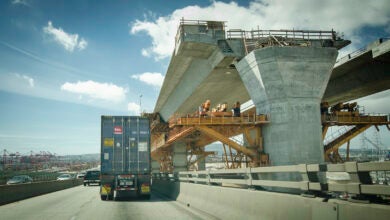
(200, 130)
(282, 110)
(270, 97)
(290, 100)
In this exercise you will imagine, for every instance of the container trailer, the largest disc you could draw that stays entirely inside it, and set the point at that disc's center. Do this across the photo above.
(125, 157)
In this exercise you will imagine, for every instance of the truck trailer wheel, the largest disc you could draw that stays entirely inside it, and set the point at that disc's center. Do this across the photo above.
(103, 198)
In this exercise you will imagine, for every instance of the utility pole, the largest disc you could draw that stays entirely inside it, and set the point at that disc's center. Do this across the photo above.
(140, 106)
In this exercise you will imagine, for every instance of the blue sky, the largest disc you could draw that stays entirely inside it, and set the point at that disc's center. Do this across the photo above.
(65, 63)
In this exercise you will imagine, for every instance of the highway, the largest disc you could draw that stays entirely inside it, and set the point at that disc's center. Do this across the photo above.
(84, 203)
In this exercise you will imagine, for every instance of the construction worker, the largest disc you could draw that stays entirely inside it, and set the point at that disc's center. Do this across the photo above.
(236, 109)
(223, 107)
(206, 106)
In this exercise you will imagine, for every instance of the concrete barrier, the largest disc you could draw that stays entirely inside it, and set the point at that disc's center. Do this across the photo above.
(232, 203)
(13, 193)
(168, 188)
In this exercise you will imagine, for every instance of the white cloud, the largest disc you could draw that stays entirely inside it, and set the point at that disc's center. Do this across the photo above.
(68, 41)
(82, 44)
(347, 16)
(101, 95)
(153, 79)
(95, 90)
(133, 108)
(44, 60)
(25, 78)
(146, 52)
(20, 2)
(375, 103)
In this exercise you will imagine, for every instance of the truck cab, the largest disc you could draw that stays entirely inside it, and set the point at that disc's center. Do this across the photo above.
(92, 177)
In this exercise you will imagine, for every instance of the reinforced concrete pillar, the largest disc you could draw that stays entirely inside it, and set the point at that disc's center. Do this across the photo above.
(202, 164)
(179, 157)
(155, 166)
(288, 83)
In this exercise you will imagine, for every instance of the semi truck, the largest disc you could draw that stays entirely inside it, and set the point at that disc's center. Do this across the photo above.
(125, 157)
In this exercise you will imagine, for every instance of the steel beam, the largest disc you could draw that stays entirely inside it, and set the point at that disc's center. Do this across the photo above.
(212, 133)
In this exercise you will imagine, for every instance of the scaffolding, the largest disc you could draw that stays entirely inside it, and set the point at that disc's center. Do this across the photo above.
(357, 123)
(201, 130)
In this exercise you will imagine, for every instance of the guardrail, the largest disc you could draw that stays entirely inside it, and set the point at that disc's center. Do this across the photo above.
(288, 34)
(351, 119)
(359, 183)
(350, 56)
(357, 52)
(36, 176)
(13, 193)
(217, 118)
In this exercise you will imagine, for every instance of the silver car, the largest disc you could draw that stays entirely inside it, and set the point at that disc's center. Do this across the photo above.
(65, 177)
(19, 179)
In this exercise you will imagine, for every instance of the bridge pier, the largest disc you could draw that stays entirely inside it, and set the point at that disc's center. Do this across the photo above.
(155, 165)
(288, 83)
(201, 165)
(179, 157)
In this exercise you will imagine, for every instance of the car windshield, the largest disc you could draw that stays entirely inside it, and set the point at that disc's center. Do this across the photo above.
(17, 178)
(64, 175)
(93, 173)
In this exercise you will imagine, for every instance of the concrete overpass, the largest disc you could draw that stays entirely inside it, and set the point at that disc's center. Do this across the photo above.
(286, 73)
(361, 73)
(203, 67)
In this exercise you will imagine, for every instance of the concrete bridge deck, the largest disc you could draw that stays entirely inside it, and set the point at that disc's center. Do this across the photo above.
(361, 73)
(203, 66)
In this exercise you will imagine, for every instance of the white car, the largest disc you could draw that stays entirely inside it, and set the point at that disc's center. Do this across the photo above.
(65, 177)
(80, 175)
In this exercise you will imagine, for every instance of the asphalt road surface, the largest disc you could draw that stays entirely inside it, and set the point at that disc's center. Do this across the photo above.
(85, 203)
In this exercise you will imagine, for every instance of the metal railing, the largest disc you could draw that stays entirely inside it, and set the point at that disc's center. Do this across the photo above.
(350, 56)
(286, 34)
(36, 176)
(264, 38)
(350, 118)
(210, 119)
(358, 184)
(215, 30)
(334, 135)
(208, 25)
(357, 53)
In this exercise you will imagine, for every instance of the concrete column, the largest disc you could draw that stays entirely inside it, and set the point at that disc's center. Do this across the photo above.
(179, 157)
(155, 166)
(202, 165)
(288, 83)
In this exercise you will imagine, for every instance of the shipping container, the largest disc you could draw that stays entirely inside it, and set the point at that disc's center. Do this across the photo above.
(125, 157)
